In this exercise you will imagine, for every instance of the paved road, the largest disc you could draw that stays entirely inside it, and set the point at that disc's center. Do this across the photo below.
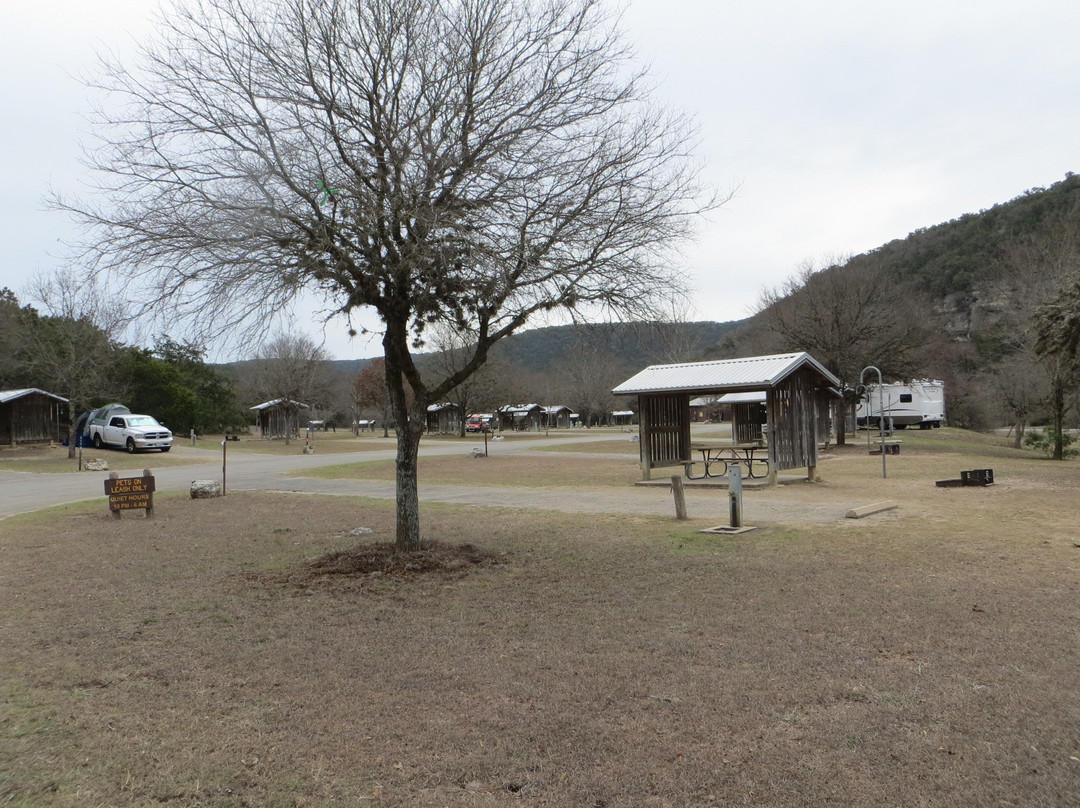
(22, 492)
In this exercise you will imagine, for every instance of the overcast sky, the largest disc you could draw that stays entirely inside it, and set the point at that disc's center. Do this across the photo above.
(844, 125)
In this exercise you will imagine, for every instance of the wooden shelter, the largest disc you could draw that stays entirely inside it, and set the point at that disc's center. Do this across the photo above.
(520, 417)
(279, 418)
(797, 390)
(748, 415)
(443, 418)
(30, 415)
(558, 416)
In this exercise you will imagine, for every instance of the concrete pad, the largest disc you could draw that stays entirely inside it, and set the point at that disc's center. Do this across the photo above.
(727, 530)
(722, 482)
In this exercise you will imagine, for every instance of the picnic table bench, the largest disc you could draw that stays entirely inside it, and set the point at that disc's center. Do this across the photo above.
(891, 447)
(716, 457)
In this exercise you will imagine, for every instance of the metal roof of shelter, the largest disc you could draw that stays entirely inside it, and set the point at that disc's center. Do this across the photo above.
(729, 375)
(755, 397)
(268, 404)
(11, 395)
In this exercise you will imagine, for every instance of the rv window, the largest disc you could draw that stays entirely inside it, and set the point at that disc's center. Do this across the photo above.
(905, 398)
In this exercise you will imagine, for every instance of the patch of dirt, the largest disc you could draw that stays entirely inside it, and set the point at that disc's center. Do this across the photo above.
(383, 559)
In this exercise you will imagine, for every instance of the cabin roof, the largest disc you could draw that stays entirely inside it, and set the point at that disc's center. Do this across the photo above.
(11, 395)
(268, 404)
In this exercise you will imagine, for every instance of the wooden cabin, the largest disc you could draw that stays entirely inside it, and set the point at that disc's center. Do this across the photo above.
(31, 415)
(444, 418)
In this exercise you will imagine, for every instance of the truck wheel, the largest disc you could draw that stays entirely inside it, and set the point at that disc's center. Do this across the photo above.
(131, 445)
(97, 440)
(165, 449)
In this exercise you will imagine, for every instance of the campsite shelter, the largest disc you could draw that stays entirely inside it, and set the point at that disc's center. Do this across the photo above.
(279, 418)
(558, 416)
(443, 418)
(30, 415)
(797, 391)
(748, 413)
(520, 417)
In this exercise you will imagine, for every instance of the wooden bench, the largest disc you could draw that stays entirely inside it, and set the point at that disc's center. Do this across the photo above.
(891, 447)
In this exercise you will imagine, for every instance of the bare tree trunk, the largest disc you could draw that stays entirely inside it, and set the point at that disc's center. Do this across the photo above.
(409, 418)
(1059, 421)
(1018, 434)
(409, 429)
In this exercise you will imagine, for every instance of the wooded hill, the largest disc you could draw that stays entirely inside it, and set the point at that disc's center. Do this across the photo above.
(958, 301)
(543, 350)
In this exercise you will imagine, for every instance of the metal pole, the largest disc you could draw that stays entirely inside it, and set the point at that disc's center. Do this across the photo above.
(881, 411)
(224, 451)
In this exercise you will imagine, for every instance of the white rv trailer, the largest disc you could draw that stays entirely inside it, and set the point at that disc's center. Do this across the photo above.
(919, 403)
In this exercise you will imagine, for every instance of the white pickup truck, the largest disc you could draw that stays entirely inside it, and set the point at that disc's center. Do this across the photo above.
(132, 432)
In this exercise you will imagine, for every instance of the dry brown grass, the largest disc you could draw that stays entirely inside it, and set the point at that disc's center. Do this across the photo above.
(324, 442)
(616, 445)
(539, 470)
(925, 657)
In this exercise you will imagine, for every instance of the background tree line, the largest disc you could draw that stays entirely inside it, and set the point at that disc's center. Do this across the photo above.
(73, 349)
(77, 354)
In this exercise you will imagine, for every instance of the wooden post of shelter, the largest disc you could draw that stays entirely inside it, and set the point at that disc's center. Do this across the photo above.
(679, 492)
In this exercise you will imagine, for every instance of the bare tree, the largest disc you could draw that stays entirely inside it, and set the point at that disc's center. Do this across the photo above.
(589, 376)
(1022, 391)
(671, 336)
(74, 346)
(371, 393)
(73, 295)
(291, 369)
(1041, 272)
(454, 349)
(848, 316)
(472, 162)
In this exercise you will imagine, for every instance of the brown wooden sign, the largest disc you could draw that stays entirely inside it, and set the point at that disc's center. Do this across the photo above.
(130, 493)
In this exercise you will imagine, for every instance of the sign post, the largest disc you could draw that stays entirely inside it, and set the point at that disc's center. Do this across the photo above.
(131, 493)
